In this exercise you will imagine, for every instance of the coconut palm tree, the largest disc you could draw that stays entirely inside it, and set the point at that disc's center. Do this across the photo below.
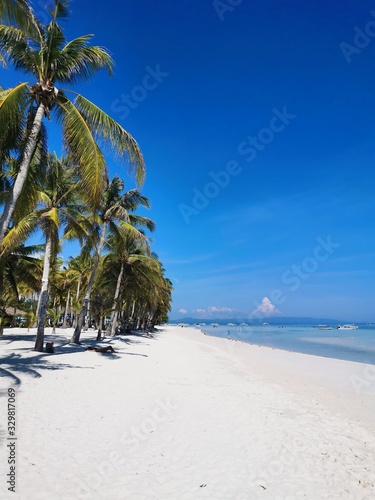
(114, 207)
(44, 52)
(59, 206)
(100, 301)
(18, 267)
(142, 294)
(79, 269)
(126, 251)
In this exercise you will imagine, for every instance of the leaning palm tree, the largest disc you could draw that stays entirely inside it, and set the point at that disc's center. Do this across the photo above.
(59, 206)
(44, 52)
(114, 207)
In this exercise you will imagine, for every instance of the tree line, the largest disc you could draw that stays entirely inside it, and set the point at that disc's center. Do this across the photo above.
(116, 280)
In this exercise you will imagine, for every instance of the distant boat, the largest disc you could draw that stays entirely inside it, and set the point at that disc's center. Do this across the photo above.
(244, 324)
(347, 327)
(324, 327)
(231, 324)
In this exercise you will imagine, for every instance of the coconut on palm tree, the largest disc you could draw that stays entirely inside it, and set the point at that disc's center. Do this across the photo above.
(43, 52)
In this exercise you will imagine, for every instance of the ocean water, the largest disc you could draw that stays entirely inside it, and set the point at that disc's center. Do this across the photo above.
(351, 345)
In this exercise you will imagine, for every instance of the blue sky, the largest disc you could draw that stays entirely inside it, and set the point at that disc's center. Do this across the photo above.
(255, 119)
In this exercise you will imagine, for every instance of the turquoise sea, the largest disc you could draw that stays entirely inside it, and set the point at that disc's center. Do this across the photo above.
(352, 345)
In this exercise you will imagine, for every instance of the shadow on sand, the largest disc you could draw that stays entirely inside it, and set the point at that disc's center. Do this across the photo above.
(15, 364)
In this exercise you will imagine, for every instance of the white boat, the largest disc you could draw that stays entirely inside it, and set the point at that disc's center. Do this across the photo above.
(231, 324)
(324, 327)
(347, 327)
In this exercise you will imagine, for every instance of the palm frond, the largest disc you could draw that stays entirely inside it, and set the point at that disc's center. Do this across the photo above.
(53, 216)
(19, 233)
(133, 198)
(141, 221)
(79, 62)
(60, 9)
(20, 13)
(128, 231)
(49, 52)
(78, 227)
(12, 107)
(106, 129)
(27, 251)
(15, 47)
(83, 148)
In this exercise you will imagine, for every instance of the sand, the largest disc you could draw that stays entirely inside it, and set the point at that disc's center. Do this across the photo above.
(183, 415)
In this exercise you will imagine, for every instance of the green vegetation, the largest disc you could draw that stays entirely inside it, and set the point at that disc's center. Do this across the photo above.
(115, 277)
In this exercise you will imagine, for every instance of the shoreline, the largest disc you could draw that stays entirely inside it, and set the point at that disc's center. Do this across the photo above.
(189, 416)
(367, 358)
(322, 374)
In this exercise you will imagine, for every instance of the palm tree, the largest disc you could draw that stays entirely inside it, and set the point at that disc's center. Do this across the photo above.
(114, 207)
(18, 268)
(44, 52)
(100, 302)
(126, 252)
(79, 269)
(58, 206)
(142, 294)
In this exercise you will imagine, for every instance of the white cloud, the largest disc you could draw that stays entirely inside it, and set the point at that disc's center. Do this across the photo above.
(182, 311)
(266, 308)
(215, 312)
(220, 309)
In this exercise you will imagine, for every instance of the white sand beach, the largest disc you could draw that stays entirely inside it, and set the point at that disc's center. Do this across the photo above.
(185, 416)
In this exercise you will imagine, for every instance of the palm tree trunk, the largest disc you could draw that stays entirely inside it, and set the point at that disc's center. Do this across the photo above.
(66, 309)
(82, 314)
(22, 173)
(114, 314)
(100, 326)
(74, 322)
(43, 304)
(78, 288)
